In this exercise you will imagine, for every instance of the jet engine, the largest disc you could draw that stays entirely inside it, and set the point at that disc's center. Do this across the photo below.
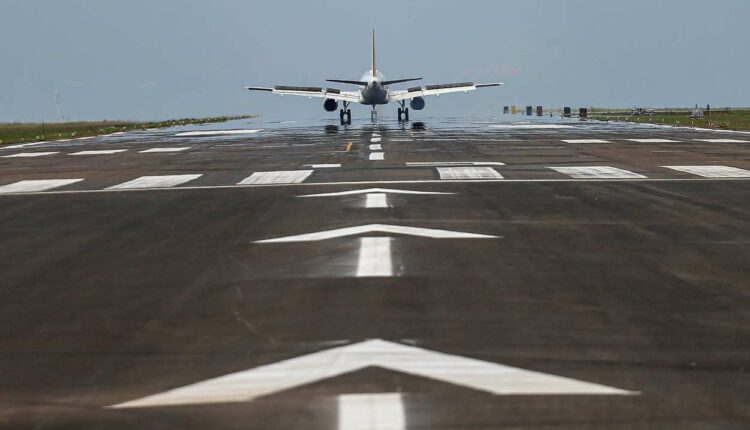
(330, 105)
(417, 103)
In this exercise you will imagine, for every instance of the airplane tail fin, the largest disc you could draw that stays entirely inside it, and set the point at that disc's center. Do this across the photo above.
(374, 67)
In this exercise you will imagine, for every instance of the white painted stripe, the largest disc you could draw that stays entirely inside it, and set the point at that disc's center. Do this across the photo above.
(371, 412)
(597, 172)
(723, 140)
(586, 141)
(653, 140)
(323, 166)
(376, 147)
(215, 133)
(30, 154)
(37, 185)
(372, 190)
(713, 171)
(376, 201)
(99, 152)
(529, 126)
(173, 149)
(374, 258)
(277, 177)
(377, 156)
(375, 140)
(26, 145)
(453, 163)
(463, 173)
(377, 228)
(248, 385)
(162, 181)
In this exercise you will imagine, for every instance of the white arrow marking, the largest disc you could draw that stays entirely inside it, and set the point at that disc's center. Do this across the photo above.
(378, 228)
(374, 258)
(248, 385)
(372, 190)
(371, 412)
(376, 201)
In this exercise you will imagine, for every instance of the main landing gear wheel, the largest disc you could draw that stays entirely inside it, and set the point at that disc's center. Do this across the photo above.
(345, 115)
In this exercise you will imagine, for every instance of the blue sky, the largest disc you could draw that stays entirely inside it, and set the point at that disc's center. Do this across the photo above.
(165, 59)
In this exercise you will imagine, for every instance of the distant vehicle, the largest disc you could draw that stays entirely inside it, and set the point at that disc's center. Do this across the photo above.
(697, 112)
(374, 91)
(642, 111)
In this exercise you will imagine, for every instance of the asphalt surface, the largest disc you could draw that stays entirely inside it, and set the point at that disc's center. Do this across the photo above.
(636, 279)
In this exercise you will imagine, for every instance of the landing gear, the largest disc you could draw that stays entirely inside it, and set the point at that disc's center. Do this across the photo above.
(345, 114)
(374, 114)
(403, 112)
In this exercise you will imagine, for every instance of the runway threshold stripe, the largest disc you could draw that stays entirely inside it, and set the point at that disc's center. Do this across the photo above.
(586, 141)
(653, 140)
(374, 257)
(163, 181)
(597, 172)
(371, 412)
(157, 150)
(37, 185)
(466, 173)
(99, 152)
(376, 201)
(277, 177)
(713, 171)
(29, 154)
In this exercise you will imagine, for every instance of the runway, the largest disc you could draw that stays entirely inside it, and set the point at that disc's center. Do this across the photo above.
(447, 273)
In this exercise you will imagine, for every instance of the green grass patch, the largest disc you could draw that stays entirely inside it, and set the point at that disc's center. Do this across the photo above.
(35, 132)
(723, 119)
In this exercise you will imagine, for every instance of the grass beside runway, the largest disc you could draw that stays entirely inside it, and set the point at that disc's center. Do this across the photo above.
(722, 119)
(34, 132)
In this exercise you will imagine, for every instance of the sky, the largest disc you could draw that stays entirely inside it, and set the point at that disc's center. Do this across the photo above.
(143, 60)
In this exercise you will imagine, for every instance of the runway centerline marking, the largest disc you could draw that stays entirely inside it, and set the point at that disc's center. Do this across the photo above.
(277, 177)
(722, 140)
(586, 141)
(161, 181)
(377, 156)
(157, 150)
(468, 173)
(376, 147)
(375, 190)
(375, 140)
(452, 163)
(493, 378)
(376, 201)
(713, 171)
(374, 260)
(30, 154)
(597, 172)
(377, 228)
(323, 166)
(380, 411)
(653, 140)
(35, 185)
(99, 152)
(215, 133)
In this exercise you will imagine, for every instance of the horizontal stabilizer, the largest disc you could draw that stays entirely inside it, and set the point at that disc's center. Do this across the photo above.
(344, 81)
(398, 81)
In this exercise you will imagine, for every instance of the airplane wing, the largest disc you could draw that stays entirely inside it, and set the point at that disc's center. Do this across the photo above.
(436, 90)
(327, 93)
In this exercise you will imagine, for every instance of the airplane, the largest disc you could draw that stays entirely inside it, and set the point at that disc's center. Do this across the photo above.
(374, 90)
